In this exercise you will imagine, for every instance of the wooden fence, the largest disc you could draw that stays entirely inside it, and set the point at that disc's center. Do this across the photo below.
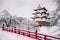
(34, 35)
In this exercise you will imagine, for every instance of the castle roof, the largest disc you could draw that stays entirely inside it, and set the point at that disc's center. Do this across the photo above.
(40, 8)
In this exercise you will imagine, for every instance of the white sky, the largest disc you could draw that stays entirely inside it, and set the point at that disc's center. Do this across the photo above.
(24, 8)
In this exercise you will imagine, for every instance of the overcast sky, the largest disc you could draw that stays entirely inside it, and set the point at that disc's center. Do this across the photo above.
(24, 8)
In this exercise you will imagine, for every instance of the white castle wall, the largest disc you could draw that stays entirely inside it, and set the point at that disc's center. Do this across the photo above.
(43, 19)
(40, 11)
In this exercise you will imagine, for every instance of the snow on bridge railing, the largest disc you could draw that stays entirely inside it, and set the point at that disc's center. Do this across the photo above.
(34, 35)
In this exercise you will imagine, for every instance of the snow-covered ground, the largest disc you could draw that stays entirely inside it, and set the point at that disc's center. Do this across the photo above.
(4, 35)
(50, 30)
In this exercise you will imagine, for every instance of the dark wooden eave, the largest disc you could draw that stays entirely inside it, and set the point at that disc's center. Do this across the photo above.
(36, 13)
(44, 17)
(35, 17)
(40, 9)
(45, 13)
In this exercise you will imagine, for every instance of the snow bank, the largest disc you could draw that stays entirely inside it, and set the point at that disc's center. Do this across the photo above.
(12, 36)
(51, 30)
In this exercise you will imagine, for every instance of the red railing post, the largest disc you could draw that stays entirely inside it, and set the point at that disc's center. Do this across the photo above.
(3, 28)
(23, 33)
(6, 28)
(45, 37)
(36, 34)
(14, 30)
(28, 34)
(18, 31)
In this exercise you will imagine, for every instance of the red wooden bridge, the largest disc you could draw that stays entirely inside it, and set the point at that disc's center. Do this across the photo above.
(34, 35)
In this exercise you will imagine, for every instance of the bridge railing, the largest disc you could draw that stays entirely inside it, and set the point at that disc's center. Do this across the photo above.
(34, 35)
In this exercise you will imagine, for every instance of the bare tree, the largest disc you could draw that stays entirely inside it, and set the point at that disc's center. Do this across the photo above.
(7, 17)
(56, 15)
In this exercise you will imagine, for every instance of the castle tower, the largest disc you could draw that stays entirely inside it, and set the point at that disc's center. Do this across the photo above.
(41, 16)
